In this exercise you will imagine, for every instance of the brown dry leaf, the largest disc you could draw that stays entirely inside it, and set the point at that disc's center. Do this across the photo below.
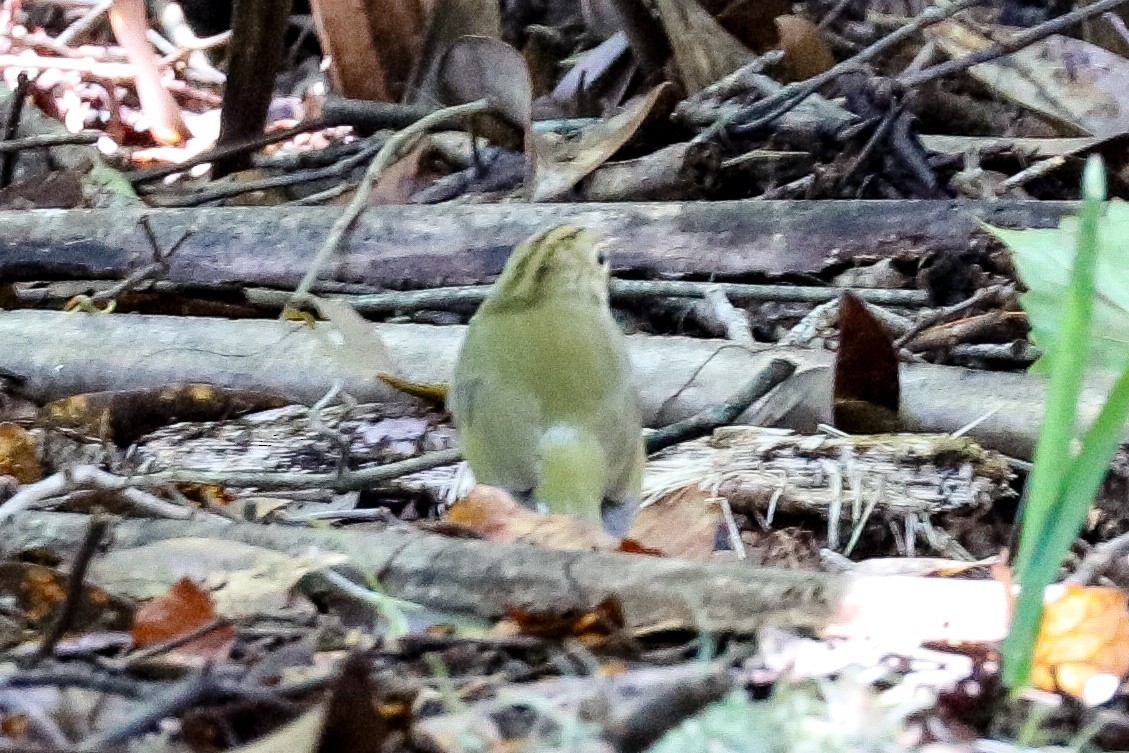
(562, 161)
(18, 457)
(241, 578)
(494, 514)
(371, 45)
(589, 627)
(361, 348)
(487, 68)
(403, 178)
(447, 21)
(125, 415)
(866, 372)
(682, 524)
(35, 593)
(806, 54)
(1085, 634)
(751, 22)
(184, 608)
(1071, 81)
(703, 50)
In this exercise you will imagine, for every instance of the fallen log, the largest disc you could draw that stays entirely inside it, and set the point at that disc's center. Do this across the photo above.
(405, 247)
(65, 354)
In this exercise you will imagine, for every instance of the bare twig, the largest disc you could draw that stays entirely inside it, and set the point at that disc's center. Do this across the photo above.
(982, 297)
(11, 127)
(1016, 43)
(700, 424)
(385, 157)
(767, 110)
(621, 290)
(95, 531)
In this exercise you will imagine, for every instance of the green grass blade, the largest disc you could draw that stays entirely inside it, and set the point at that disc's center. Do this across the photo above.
(1052, 461)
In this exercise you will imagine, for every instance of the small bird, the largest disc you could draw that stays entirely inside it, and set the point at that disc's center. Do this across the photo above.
(542, 393)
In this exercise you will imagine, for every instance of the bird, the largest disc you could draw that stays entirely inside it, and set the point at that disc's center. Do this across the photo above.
(542, 394)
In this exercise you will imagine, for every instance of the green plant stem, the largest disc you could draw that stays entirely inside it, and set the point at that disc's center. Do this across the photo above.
(1052, 462)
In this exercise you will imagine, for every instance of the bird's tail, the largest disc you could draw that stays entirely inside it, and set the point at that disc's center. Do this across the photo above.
(573, 471)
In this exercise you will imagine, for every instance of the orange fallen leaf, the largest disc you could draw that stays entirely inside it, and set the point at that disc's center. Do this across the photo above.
(184, 608)
(18, 457)
(1085, 634)
(682, 524)
(494, 514)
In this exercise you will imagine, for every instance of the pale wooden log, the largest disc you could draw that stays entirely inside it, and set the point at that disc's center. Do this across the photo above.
(64, 354)
(404, 247)
(486, 578)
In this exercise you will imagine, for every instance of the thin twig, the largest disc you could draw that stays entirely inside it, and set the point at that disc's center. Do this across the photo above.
(95, 531)
(621, 290)
(12, 126)
(703, 422)
(982, 297)
(793, 94)
(1016, 43)
(385, 157)
(220, 152)
(49, 140)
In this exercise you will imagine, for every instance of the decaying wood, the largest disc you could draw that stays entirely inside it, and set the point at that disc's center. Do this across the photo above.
(924, 474)
(63, 354)
(415, 247)
(487, 578)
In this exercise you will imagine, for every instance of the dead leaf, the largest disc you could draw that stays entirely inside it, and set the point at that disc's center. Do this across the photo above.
(182, 609)
(1076, 83)
(446, 23)
(18, 456)
(589, 69)
(752, 22)
(1085, 634)
(125, 415)
(361, 349)
(371, 46)
(241, 578)
(34, 594)
(562, 161)
(486, 68)
(434, 395)
(406, 176)
(494, 514)
(806, 54)
(866, 372)
(589, 627)
(355, 719)
(703, 50)
(682, 524)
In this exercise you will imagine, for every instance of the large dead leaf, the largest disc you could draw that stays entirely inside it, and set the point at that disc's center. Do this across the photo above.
(497, 516)
(182, 609)
(371, 45)
(360, 347)
(486, 68)
(449, 20)
(682, 524)
(242, 579)
(1084, 635)
(1066, 79)
(562, 160)
(866, 372)
(703, 50)
(18, 456)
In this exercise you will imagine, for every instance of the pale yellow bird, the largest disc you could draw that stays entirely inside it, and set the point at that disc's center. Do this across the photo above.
(542, 393)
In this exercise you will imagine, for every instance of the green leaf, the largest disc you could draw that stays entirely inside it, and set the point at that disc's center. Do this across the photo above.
(1044, 259)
